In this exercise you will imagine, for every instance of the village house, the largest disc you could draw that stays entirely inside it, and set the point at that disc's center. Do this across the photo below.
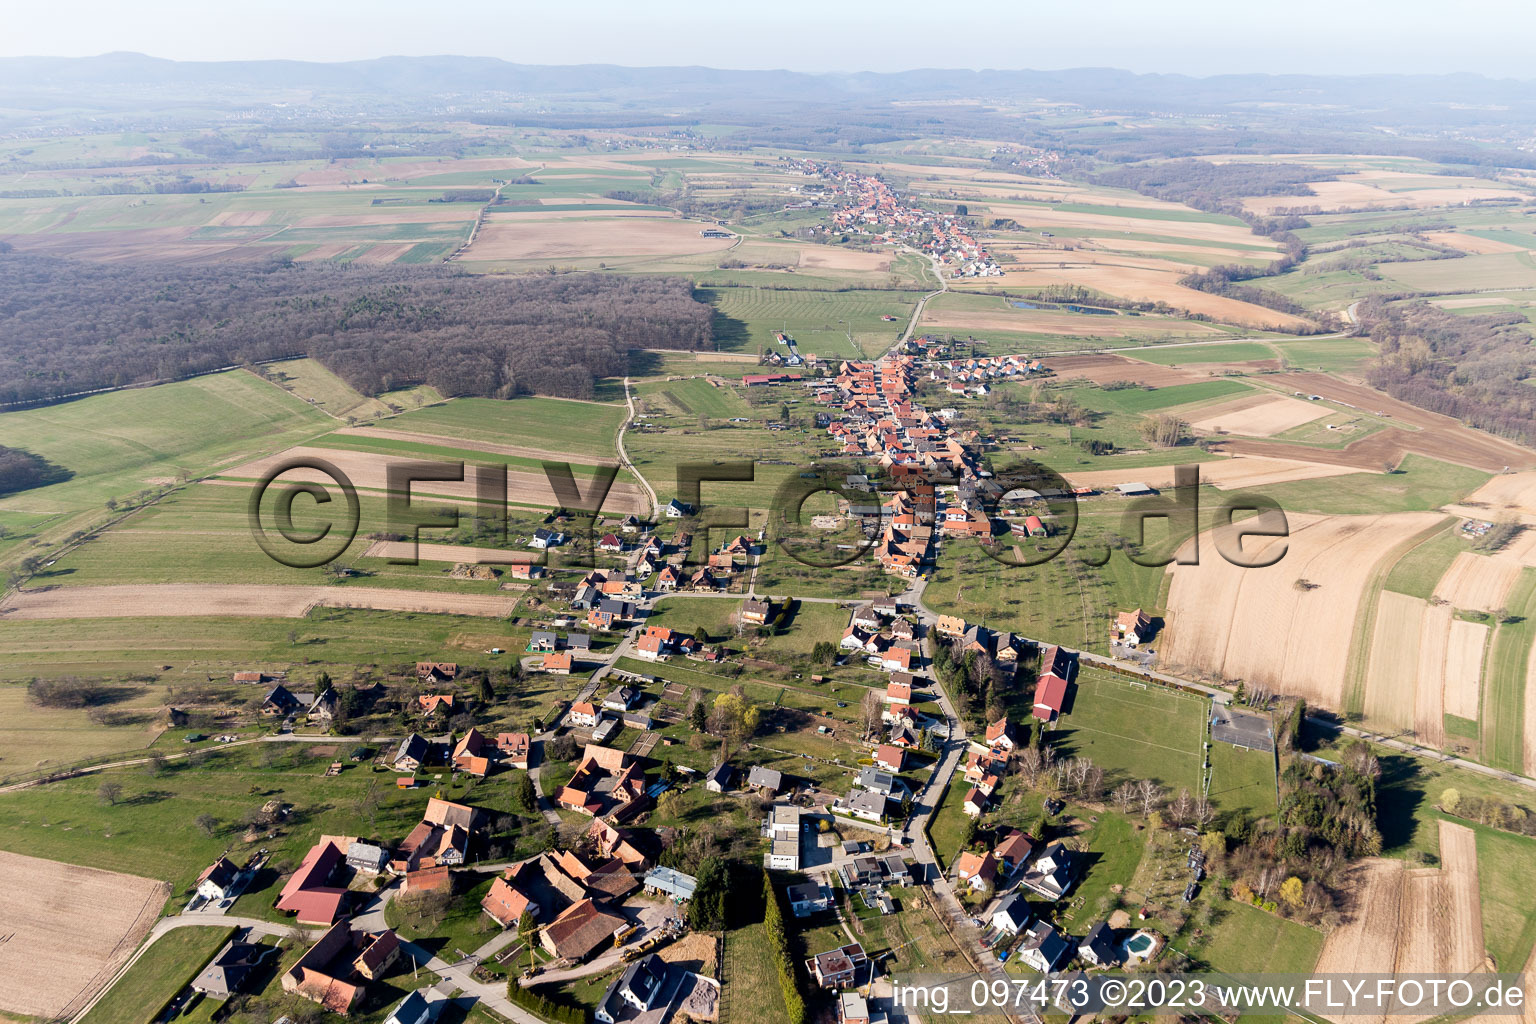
(412, 753)
(1053, 873)
(279, 702)
(607, 781)
(473, 754)
(767, 781)
(638, 987)
(862, 803)
(436, 671)
(1011, 914)
(219, 881)
(583, 715)
(311, 893)
(807, 898)
(439, 840)
(756, 611)
(950, 626)
(513, 748)
(335, 970)
(975, 803)
(1057, 668)
(229, 969)
(978, 871)
(1098, 946)
(431, 704)
(1044, 948)
(837, 968)
(1131, 628)
(719, 778)
(367, 857)
(1013, 850)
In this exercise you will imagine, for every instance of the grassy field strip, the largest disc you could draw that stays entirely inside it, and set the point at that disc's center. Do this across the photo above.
(1504, 696)
(1359, 654)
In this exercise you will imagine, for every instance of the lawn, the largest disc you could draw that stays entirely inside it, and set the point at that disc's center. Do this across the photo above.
(687, 614)
(168, 965)
(151, 829)
(202, 534)
(1219, 352)
(1133, 733)
(699, 397)
(1063, 600)
(748, 973)
(556, 424)
(1245, 939)
(1114, 847)
(949, 823)
(1243, 778)
(218, 646)
(31, 736)
(1336, 355)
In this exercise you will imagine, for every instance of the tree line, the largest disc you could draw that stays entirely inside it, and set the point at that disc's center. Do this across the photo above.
(1474, 368)
(72, 327)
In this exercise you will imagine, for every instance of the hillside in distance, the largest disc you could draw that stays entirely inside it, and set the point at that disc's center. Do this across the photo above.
(124, 81)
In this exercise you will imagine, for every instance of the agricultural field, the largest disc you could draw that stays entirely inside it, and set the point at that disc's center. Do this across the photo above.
(120, 443)
(312, 382)
(541, 424)
(833, 325)
(78, 927)
(1029, 327)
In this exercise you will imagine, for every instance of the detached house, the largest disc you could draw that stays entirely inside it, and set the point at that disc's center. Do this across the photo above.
(412, 753)
(1044, 948)
(218, 880)
(756, 611)
(977, 870)
(1131, 628)
(279, 702)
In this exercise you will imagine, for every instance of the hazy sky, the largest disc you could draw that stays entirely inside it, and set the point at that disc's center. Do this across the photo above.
(1199, 37)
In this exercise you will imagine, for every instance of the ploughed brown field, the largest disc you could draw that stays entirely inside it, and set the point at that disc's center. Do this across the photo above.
(1412, 921)
(67, 930)
(184, 600)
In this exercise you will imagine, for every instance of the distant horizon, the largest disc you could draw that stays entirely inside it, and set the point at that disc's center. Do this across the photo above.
(918, 68)
(1197, 38)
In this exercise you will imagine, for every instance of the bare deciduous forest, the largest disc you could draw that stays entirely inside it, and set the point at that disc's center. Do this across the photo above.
(71, 327)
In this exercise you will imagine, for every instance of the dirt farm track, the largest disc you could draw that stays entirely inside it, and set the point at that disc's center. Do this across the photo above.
(65, 930)
(182, 600)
